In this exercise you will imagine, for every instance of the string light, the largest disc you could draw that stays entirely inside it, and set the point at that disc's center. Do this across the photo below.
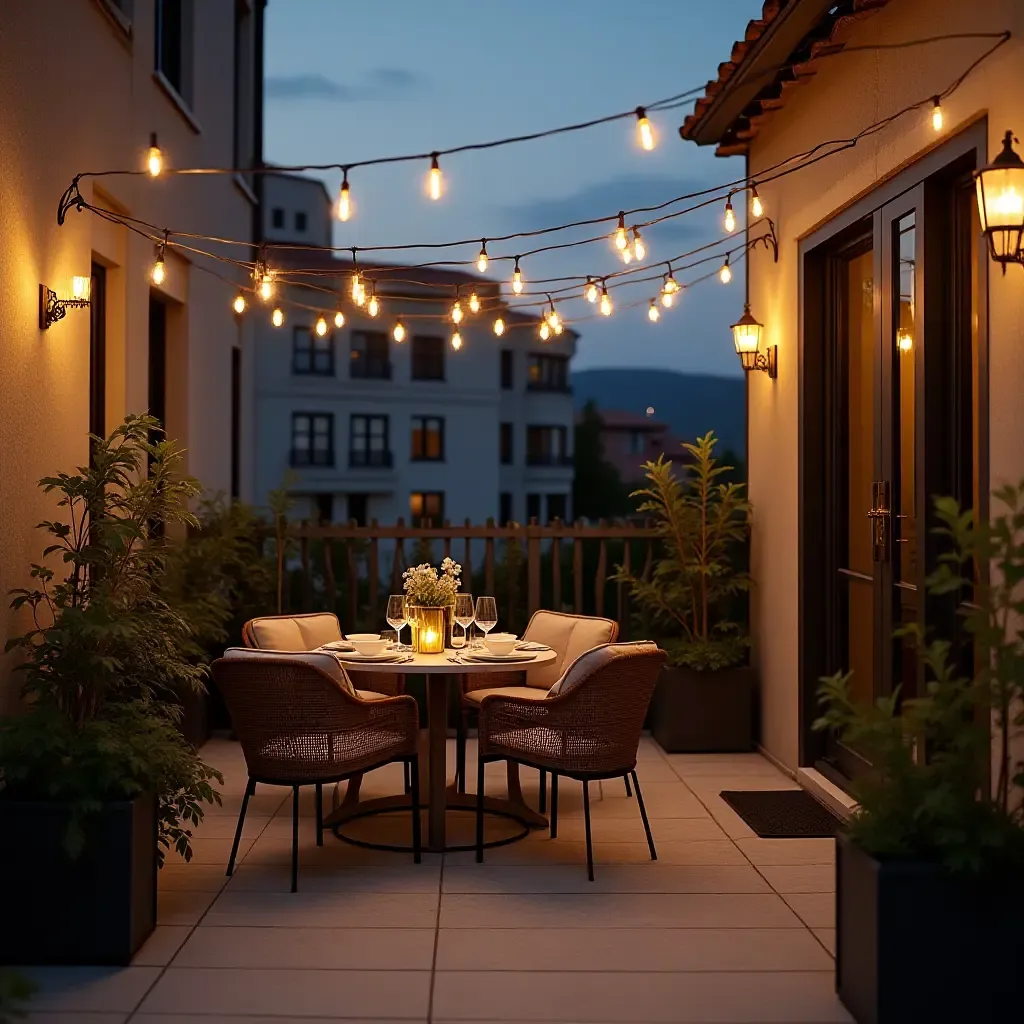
(277, 317)
(239, 304)
(373, 306)
(481, 260)
(456, 313)
(936, 115)
(456, 341)
(474, 303)
(653, 313)
(435, 183)
(590, 291)
(155, 157)
(545, 331)
(725, 274)
(553, 319)
(499, 326)
(399, 332)
(321, 327)
(756, 206)
(517, 279)
(621, 241)
(730, 217)
(159, 271)
(606, 306)
(339, 319)
(266, 286)
(557, 328)
(669, 289)
(344, 198)
(627, 256)
(643, 130)
(639, 249)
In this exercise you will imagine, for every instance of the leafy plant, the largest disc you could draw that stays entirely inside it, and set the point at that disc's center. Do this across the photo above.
(15, 990)
(693, 590)
(937, 791)
(109, 650)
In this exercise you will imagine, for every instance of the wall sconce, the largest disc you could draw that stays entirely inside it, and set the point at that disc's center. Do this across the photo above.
(52, 309)
(1001, 204)
(746, 334)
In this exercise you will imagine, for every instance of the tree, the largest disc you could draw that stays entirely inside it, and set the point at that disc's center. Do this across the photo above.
(597, 489)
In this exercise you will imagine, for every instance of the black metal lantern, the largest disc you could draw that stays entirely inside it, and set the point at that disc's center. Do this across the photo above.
(1001, 203)
(746, 335)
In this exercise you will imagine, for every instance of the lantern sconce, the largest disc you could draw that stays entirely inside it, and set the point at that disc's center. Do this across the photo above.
(52, 308)
(1000, 187)
(746, 334)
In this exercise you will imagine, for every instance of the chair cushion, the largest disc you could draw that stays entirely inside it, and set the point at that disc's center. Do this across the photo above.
(371, 695)
(568, 636)
(590, 661)
(526, 692)
(319, 629)
(295, 632)
(327, 663)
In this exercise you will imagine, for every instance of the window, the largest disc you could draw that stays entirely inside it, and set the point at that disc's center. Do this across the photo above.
(548, 373)
(427, 357)
(368, 356)
(557, 505)
(324, 505)
(426, 508)
(300, 221)
(546, 446)
(312, 354)
(173, 38)
(532, 507)
(505, 436)
(504, 508)
(121, 11)
(368, 442)
(277, 217)
(507, 363)
(357, 509)
(637, 442)
(312, 439)
(427, 439)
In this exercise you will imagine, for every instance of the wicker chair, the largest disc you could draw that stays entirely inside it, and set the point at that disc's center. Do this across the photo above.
(300, 722)
(568, 636)
(586, 728)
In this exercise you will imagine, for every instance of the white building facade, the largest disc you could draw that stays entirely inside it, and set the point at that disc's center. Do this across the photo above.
(360, 426)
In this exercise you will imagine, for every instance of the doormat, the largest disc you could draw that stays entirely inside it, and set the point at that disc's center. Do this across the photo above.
(784, 814)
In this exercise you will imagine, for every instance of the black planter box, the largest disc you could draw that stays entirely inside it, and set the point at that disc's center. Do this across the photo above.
(96, 909)
(915, 943)
(703, 712)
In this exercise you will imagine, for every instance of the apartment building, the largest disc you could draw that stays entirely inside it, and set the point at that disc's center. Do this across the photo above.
(360, 425)
(85, 86)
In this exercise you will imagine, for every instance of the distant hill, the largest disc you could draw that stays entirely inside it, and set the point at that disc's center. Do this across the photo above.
(690, 403)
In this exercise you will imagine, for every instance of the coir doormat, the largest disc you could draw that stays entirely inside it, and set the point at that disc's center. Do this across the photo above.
(783, 814)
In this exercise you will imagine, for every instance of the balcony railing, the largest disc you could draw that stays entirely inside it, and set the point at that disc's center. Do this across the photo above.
(547, 459)
(310, 457)
(370, 460)
(370, 369)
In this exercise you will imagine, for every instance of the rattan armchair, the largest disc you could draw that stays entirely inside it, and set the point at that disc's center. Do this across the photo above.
(300, 722)
(587, 728)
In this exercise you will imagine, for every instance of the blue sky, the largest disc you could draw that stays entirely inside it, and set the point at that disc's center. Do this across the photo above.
(348, 81)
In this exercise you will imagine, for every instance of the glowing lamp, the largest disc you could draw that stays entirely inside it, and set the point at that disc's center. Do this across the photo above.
(746, 335)
(1000, 188)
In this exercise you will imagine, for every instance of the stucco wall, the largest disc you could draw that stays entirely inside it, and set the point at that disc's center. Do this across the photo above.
(79, 93)
(850, 92)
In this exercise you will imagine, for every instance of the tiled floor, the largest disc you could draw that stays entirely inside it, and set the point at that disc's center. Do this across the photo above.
(724, 927)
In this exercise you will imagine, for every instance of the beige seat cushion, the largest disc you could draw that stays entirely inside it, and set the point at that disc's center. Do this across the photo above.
(327, 663)
(295, 632)
(526, 692)
(568, 636)
(591, 661)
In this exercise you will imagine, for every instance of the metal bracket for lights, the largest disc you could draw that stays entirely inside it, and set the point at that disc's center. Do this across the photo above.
(52, 308)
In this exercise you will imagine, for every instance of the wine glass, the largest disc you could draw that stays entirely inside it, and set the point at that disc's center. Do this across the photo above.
(464, 615)
(486, 613)
(398, 616)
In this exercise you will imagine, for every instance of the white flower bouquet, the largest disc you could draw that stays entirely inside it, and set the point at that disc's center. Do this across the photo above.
(427, 587)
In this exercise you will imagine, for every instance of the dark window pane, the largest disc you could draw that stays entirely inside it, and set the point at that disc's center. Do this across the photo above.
(548, 373)
(557, 504)
(368, 355)
(507, 357)
(300, 221)
(368, 441)
(312, 439)
(504, 508)
(324, 507)
(532, 507)
(547, 446)
(505, 443)
(277, 217)
(428, 357)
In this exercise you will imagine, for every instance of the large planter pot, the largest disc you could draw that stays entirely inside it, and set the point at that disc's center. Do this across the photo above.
(96, 909)
(704, 711)
(915, 942)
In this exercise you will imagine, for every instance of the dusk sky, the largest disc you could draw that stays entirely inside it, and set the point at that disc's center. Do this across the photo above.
(348, 81)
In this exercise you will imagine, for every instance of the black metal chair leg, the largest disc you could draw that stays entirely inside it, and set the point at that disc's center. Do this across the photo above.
(319, 814)
(643, 815)
(554, 805)
(543, 790)
(295, 838)
(586, 822)
(250, 788)
(479, 810)
(461, 729)
(629, 792)
(413, 767)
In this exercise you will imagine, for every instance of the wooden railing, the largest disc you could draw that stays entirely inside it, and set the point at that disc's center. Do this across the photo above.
(566, 567)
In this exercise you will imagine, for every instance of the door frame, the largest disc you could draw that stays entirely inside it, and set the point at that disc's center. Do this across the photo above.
(816, 412)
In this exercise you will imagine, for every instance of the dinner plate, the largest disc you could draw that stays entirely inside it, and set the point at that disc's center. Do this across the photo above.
(355, 656)
(487, 656)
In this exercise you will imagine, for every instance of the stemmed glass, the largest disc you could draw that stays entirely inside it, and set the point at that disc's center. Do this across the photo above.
(464, 615)
(398, 616)
(486, 613)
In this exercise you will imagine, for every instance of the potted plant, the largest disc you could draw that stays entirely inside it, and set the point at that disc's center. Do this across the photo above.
(694, 604)
(930, 870)
(97, 779)
(431, 597)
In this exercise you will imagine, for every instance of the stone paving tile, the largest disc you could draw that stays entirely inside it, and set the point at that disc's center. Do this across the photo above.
(827, 937)
(159, 949)
(816, 910)
(800, 878)
(324, 909)
(788, 851)
(103, 989)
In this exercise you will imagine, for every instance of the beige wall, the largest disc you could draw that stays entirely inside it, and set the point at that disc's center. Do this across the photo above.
(79, 94)
(850, 92)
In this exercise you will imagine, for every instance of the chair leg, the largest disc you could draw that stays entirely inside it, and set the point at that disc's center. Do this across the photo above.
(250, 788)
(554, 805)
(295, 838)
(586, 823)
(461, 729)
(479, 810)
(629, 792)
(643, 815)
(542, 806)
(319, 814)
(413, 770)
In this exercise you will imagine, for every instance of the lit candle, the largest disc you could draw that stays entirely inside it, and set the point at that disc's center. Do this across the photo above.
(430, 637)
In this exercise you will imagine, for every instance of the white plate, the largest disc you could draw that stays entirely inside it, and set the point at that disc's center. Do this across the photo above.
(487, 656)
(355, 656)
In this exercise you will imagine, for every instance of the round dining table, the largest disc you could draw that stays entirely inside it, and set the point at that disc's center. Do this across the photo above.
(440, 671)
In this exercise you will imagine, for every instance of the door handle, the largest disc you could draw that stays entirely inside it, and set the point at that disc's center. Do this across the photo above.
(880, 515)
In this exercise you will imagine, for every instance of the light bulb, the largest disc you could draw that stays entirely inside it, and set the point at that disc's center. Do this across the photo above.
(456, 341)
(639, 249)
(936, 115)
(670, 283)
(545, 331)
(499, 327)
(481, 260)
(361, 296)
(606, 306)
(277, 317)
(730, 217)
(344, 200)
(553, 318)
(357, 286)
(645, 133)
(154, 158)
(266, 286)
(517, 279)
(399, 332)
(373, 306)
(435, 183)
(725, 274)
(756, 206)
(474, 303)
(621, 241)
(653, 313)
(321, 327)
(557, 328)
(239, 304)
(627, 255)
(159, 271)
(667, 298)
(590, 291)
(339, 319)
(457, 312)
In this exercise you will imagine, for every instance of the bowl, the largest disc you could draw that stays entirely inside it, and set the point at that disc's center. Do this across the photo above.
(367, 643)
(500, 643)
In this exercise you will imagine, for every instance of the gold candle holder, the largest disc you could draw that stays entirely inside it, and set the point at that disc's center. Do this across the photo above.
(429, 631)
